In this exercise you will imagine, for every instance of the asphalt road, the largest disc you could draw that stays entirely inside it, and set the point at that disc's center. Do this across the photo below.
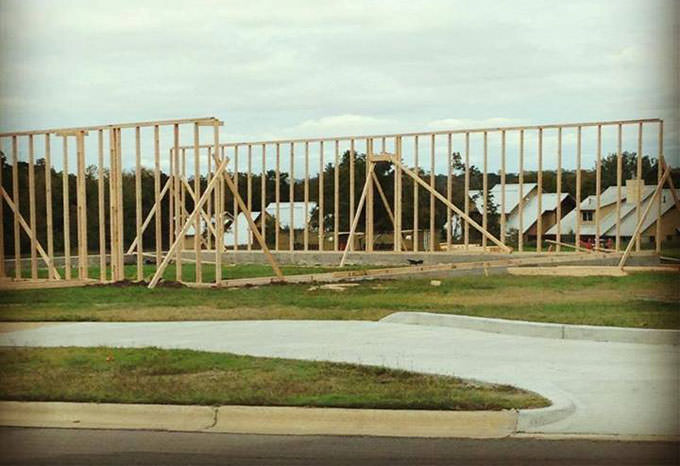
(23, 446)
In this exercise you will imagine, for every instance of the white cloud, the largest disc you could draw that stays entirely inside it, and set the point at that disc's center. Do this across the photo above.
(347, 124)
(293, 68)
(466, 123)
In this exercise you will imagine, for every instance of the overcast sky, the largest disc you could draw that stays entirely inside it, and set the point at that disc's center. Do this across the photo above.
(316, 68)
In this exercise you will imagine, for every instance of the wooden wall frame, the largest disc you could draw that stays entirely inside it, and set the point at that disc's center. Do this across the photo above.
(179, 183)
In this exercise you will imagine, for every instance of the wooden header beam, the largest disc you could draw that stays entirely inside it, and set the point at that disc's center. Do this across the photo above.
(208, 121)
(441, 132)
(383, 157)
(214, 122)
(66, 133)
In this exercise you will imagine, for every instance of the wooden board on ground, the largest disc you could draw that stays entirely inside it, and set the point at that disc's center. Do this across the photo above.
(12, 284)
(569, 271)
(469, 248)
(653, 268)
(589, 271)
(393, 272)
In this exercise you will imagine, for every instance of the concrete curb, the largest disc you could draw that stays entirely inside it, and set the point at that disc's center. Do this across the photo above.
(369, 422)
(529, 420)
(257, 420)
(106, 416)
(539, 329)
(261, 419)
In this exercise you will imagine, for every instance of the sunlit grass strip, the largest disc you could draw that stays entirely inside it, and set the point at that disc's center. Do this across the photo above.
(152, 375)
(644, 300)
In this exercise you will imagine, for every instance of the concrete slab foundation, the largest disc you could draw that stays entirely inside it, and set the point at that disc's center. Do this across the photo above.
(332, 258)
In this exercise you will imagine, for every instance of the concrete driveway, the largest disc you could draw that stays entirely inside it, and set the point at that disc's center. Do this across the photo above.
(599, 388)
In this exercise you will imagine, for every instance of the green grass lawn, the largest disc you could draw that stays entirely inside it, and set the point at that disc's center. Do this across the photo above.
(645, 300)
(230, 271)
(151, 375)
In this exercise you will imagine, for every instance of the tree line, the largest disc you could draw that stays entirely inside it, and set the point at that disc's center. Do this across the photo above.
(383, 171)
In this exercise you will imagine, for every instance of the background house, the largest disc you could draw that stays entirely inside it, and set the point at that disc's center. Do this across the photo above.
(300, 218)
(237, 233)
(385, 240)
(191, 234)
(670, 216)
(530, 211)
